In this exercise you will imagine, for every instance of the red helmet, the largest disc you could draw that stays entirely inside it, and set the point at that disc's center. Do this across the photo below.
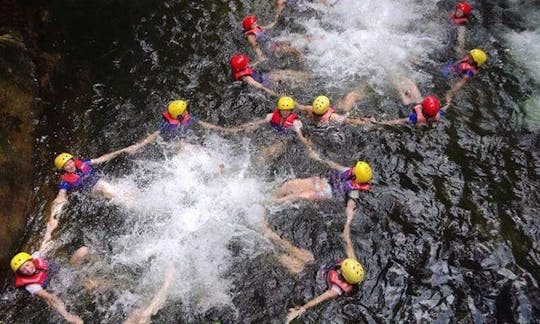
(248, 21)
(464, 7)
(430, 106)
(239, 62)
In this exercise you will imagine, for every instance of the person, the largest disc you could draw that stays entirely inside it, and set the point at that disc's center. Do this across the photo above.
(256, 36)
(242, 71)
(33, 273)
(176, 122)
(282, 119)
(321, 112)
(346, 183)
(461, 14)
(460, 17)
(79, 175)
(465, 69)
(421, 109)
(342, 278)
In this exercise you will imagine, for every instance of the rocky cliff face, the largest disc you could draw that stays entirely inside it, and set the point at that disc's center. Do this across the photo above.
(27, 61)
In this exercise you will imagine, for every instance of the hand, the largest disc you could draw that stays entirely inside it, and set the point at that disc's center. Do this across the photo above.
(294, 313)
(314, 155)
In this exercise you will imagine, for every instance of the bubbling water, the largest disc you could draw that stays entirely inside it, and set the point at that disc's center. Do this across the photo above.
(370, 40)
(185, 219)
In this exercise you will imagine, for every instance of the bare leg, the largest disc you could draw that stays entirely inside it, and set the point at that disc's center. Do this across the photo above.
(346, 103)
(408, 91)
(272, 150)
(286, 48)
(142, 316)
(80, 256)
(104, 189)
(289, 76)
(295, 252)
(295, 186)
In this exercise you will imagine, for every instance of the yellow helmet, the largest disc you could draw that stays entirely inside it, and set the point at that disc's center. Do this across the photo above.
(321, 105)
(478, 56)
(362, 172)
(19, 259)
(61, 160)
(177, 108)
(285, 103)
(352, 271)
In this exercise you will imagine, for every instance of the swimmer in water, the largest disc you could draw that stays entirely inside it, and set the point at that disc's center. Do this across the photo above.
(33, 273)
(321, 111)
(465, 69)
(242, 71)
(257, 37)
(79, 175)
(283, 120)
(421, 110)
(342, 277)
(461, 17)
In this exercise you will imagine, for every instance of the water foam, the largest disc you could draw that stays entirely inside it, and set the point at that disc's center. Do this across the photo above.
(372, 39)
(187, 217)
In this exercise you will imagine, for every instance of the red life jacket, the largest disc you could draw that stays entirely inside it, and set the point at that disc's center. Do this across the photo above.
(73, 178)
(463, 66)
(242, 73)
(324, 118)
(334, 278)
(39, 277)
(459, 20)
(175, 121)
(360, 186)
(255, 31)
(277, 121)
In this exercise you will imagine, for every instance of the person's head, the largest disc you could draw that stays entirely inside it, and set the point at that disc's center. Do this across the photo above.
(430, 106)
(478, 56)
(320, 105)
(239, 62)
(463, 9)
(249, 22)
(362, 172)
(64, 161)
(352, 271)
(22, 263)
(177, 108)
(285, 106)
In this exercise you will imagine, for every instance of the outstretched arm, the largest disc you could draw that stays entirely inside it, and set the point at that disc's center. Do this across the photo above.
(112, 155)
(450, 94)
(252, 40)
(56, 303)
(297, 311)
(135, 147)
(280, 5)
(303, 139)
(52, 223)
(249, 80)
(349, 212)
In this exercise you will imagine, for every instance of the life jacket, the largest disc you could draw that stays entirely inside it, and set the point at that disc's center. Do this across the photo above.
(343, 183)
(242, 73)
(326, 117)
(175, 122)
(280, 124)
(335, 278)
(76, 178)
(39, 277)
(257, 32)
(463, 66)
(459, 20)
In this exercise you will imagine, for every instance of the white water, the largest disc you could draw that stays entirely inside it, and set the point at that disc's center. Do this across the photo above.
(373, 40)
(524, 48)
(187, 217)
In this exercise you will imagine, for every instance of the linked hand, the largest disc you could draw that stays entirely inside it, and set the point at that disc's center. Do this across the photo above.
(294, 313)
